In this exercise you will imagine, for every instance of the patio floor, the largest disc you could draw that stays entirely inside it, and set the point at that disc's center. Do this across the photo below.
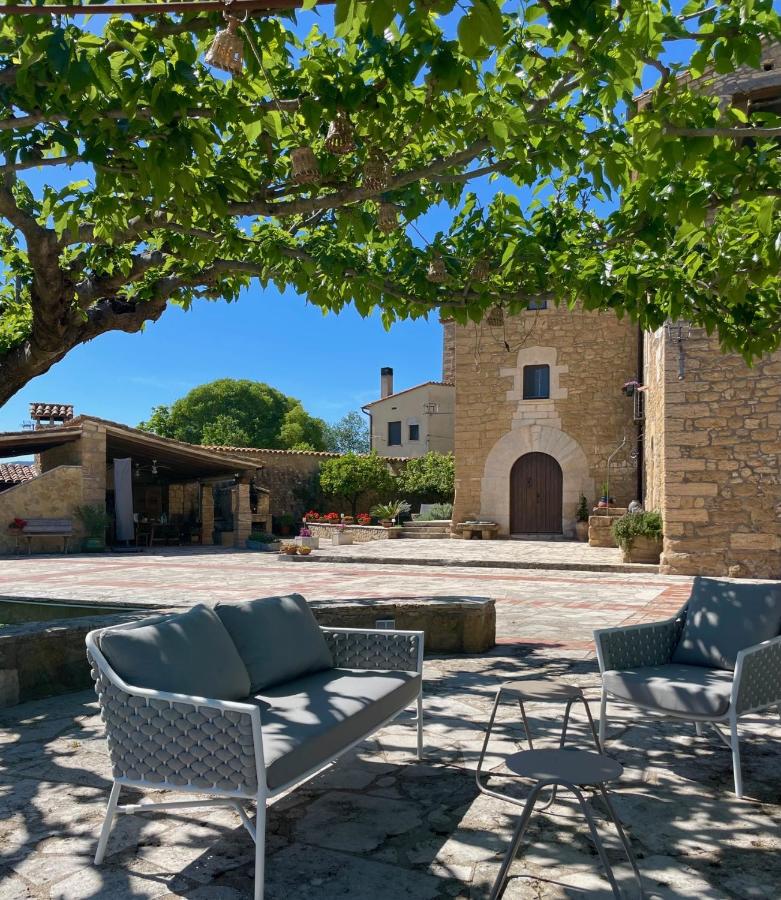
(378, 825)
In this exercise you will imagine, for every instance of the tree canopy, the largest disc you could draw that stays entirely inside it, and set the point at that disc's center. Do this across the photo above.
(352, 477)
(183, 184)
(238, 413)
(429, 478)
(349, 435)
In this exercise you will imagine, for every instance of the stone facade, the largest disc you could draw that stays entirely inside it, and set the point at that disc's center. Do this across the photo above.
(582, 422)
(54, 494)
(714, 451)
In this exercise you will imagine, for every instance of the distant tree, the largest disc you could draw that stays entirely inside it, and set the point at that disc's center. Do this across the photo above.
(429, 478)
(352, 477)
(349, 435)
(225, 431)
(239, 413)
(300, 431)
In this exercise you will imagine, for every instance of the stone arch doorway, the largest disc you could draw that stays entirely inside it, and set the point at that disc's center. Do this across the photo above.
(536, 492)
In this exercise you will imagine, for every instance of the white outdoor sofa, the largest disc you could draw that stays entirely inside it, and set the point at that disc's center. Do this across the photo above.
(718, 659)
(258, 746)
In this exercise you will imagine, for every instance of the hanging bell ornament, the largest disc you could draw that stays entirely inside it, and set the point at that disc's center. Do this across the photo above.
(437, 273)
(227, 49)
(376, 174)
(304, 166)
(387, 218)
(340, 135)
(480, 270)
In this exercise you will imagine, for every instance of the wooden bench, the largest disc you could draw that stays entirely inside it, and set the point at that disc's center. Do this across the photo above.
(45, 528)
(481, 530)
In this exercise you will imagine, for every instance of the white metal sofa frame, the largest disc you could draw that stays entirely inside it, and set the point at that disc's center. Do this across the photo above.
(756, 684)
(222, 754)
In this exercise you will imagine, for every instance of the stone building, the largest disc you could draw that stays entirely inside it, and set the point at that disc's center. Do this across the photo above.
(535, 425)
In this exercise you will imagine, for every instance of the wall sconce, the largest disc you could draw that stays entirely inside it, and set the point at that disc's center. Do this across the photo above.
(677, 333)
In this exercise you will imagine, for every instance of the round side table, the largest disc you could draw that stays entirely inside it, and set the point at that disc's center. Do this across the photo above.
(573, 770)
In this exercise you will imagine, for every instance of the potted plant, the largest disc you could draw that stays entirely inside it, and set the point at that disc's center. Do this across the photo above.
(303, 550)
(347, 520)
(342, 536)
(605, 500)
(95, 520)
(261, 540)
(581, 516)
(364, 519)
(387, 513)
(17, 524)
(312, 516)
(331, 518)
(305, 539)
(285, 524)
(639, 535)
(289, 549)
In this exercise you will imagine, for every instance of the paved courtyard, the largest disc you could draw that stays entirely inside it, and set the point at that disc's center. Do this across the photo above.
(378, 825)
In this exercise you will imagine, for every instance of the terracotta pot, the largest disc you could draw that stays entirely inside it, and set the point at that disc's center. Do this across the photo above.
(643, 550)
(386, 523)
(581, 530)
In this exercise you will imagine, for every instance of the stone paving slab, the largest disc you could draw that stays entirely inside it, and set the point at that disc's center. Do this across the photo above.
(551, 608)
(380, 826)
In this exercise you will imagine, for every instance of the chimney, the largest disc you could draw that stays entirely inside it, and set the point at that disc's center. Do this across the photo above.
(46, 415)
(386, 382)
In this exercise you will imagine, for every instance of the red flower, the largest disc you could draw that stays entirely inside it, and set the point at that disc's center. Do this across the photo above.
(331, 517)
(364, 518)
(18, 523)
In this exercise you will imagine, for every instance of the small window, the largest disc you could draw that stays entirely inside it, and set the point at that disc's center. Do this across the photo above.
(538, 304)
(394, 434)
(536, 382)
(414, 432)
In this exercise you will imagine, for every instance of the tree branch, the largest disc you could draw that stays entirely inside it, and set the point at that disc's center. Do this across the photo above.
(44, 161)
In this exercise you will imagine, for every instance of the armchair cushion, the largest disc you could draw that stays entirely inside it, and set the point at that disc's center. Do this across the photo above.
(277, 637)
(673, 688)
(724, 618)
(190, 653)
(306, 722)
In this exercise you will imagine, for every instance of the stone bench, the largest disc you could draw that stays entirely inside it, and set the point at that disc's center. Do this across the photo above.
(451, 624)
(44, 528)
(485, 531)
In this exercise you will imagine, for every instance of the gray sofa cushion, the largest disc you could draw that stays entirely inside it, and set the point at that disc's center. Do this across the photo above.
(307, 721)
(277, 637)
(723, 618)
(673, 688)
(189, 653)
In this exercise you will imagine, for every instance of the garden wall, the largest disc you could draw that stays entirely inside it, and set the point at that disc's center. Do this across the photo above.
(53, 495)
(361, 534)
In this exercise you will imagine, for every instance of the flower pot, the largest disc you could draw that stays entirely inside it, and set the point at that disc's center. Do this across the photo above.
(304, 551)
(643, 550)
(348, 520)
(386, 523)
(581, 531)
(341, 537)
(93, 545)
(311, 542)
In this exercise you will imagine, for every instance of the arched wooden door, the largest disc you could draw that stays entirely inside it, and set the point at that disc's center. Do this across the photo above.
(535, 495)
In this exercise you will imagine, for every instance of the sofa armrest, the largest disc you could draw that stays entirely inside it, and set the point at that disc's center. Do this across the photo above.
(165, 740)
(757, 682)
(650, 644)
(358, 648)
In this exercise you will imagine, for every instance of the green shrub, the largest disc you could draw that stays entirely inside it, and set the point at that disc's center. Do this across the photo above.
(632, 525)
(391, 510)
(95, 520)
(429, 478)
(582, 513)
(263, 537)
(437, 513)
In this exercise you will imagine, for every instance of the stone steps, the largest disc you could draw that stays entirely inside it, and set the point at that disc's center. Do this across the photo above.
(428, 534)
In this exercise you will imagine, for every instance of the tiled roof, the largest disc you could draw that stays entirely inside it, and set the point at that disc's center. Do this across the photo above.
(16, 473)
(51, 410)
(407, 391)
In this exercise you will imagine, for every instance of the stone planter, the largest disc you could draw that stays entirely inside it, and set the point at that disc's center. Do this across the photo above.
(263, 548)
(643, 550)
(93, 545)
(581, 531)
(341, 537)
(312, 542)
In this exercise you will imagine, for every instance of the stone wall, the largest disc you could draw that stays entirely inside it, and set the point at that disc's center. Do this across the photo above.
(361, 534)
(54, 494)
(591, 355)
(721, 493)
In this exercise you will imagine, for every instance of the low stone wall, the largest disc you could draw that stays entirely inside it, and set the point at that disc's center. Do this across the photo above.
(451, 624)
(361, 534)
(42, 659)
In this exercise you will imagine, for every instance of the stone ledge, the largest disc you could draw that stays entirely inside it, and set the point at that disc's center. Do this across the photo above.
(360, 534)
(451, 624)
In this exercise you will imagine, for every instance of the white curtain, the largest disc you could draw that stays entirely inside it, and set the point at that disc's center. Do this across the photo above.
(123, 499)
